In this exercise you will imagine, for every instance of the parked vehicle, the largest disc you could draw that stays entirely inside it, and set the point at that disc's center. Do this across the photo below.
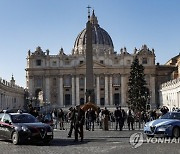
(20, 127)
(167, 125)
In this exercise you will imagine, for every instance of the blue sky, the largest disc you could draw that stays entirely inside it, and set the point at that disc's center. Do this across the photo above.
(52, 24)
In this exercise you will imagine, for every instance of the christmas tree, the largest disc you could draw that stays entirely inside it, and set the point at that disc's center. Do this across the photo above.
(138, 92)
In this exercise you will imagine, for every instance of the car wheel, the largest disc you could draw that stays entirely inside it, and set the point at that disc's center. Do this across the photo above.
(150, 136)
(176, 132)
(46, 142)
(15, 138)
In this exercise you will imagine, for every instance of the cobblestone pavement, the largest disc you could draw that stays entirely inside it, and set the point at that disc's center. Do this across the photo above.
(95, 142)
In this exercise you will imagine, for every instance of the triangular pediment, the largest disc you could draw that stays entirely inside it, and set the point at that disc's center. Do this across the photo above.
(95, 65)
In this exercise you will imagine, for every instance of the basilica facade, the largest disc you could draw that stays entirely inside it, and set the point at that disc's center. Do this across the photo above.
(60, 80)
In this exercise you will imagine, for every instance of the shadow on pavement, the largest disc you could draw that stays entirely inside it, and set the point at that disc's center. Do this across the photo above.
(67, 142)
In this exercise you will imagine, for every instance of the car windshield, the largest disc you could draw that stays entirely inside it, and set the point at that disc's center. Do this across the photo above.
(171, 115)
(23, 118)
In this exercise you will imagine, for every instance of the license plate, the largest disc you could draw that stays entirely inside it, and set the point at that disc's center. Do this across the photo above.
(49, 133)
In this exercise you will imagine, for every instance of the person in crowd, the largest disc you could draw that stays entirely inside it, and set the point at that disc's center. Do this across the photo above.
(130, 118)
(92, 118)
(70, 118)
(30, 109)
(100, 119)
(106, 116)
(55, 118)
(153, 115)
(164, 110)
(87, 119)
(40, 117)
(144, 117)
(118, 118)
(35, 113)
(124, 116)
(61, 119)
(78, 119)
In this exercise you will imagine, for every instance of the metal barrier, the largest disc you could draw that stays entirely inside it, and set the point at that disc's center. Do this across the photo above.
(112, 125)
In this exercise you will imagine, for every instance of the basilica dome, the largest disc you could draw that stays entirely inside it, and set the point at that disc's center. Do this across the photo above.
(101, 41)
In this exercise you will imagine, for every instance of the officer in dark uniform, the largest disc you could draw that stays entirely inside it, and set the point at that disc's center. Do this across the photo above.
(118, 118)
(79, 117)
(70, 117)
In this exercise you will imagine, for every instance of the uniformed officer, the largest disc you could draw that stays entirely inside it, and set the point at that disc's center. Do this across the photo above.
(79, 117)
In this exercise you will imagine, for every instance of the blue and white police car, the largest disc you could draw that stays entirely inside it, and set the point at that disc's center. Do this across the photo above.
(167, 125)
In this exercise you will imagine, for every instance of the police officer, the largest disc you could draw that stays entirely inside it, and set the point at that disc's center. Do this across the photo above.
(118, 118)
(70, 117)
(79, 117)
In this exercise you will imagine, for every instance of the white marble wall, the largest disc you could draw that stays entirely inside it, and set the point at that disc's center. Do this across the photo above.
(170, 94)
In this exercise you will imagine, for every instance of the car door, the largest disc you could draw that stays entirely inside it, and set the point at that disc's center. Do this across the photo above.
(7, 126)
(1, 125)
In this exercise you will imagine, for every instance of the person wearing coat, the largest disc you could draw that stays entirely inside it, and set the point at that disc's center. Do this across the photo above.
(78, 119)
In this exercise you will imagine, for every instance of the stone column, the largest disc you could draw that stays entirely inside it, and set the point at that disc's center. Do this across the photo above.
(85, 89)
(123, 90)
(77, 90)
(152, 90)
(61, 103)
(110, 91)
(97, 91)
(106, 91)
(47, 91)
(30, 85)
(73, 91)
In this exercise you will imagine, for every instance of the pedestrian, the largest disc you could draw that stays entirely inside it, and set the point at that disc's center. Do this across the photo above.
(79, 117)
(54, 115)
(100, 119)
(70, 118)
(92, 119)
(61, 119)
(153, 115)
(118, 118)
(87, 119)
(124, 116)
(130, 119)
(164, 110)
(35, 113)
(106, 115)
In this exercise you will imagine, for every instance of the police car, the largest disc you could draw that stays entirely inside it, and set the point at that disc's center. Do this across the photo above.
(167, 125)
(21, 127)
